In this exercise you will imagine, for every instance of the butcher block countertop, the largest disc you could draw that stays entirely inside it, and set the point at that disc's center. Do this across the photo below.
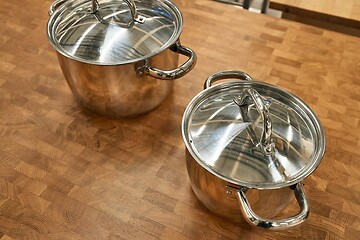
(66, 173)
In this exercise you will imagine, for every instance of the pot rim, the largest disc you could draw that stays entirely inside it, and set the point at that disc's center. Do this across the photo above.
(315, 159)
(53, 21)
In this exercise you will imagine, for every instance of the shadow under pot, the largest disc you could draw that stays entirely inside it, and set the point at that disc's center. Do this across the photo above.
(249, 145)
(119, 59)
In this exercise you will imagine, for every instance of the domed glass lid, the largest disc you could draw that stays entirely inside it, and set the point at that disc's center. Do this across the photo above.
(112, 32)
(253, 134)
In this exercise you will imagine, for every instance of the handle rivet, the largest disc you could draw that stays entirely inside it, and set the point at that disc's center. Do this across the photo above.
(229, 192)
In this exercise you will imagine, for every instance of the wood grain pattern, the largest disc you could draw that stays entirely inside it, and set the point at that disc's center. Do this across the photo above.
(67, 173)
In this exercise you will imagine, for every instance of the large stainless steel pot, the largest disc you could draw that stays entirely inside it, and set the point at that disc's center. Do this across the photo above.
(117, 57)
(249, 146)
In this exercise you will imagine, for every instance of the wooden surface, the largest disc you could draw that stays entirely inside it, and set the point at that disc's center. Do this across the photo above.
(69, 174)
(345, 13)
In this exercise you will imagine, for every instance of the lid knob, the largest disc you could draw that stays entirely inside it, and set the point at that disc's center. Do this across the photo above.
(262, 105)
(135, 17)
(244, 102)
(94, 6)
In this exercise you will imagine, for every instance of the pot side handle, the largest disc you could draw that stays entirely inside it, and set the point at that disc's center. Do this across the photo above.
(172, 74)
(275, 224)
(226, 75)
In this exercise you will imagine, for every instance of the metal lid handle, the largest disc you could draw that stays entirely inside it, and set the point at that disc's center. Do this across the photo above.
(261, 105)
(134, 14)
(243, 102)
(94, 6)
(135, 17)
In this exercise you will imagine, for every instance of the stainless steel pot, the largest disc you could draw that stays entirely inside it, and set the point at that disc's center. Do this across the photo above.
(118, 57)
(249, 146)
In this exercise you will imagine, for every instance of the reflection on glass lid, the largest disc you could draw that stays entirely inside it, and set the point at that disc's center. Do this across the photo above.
(226, 142)
(110, 35)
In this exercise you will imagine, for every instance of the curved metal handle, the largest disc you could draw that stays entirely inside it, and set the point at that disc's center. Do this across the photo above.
(226, 75)
(275, 224)
(94, 6)
(172, 74)
(133, 10)
(54, 6)
(266, 144)
(243, 102)
(135, 17)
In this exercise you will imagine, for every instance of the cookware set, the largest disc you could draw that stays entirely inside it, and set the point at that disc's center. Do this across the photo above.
(249, 144)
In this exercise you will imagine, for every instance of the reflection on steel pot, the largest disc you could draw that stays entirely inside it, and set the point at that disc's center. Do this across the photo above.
(249, 146)
(117, 57)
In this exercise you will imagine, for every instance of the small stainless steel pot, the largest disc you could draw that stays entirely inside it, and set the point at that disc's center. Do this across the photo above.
(249, 146)
(117, 57)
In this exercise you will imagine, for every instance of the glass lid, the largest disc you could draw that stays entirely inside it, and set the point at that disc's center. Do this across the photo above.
(112, 32)
(253, 134)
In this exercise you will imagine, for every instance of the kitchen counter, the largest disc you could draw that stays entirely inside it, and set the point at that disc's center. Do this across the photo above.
(67, 173)
(340, 16)
(340, 12)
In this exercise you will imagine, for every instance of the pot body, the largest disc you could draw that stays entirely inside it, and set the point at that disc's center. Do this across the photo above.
(248, 147)
(119, 57)
(215, 195)
(119, 91)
